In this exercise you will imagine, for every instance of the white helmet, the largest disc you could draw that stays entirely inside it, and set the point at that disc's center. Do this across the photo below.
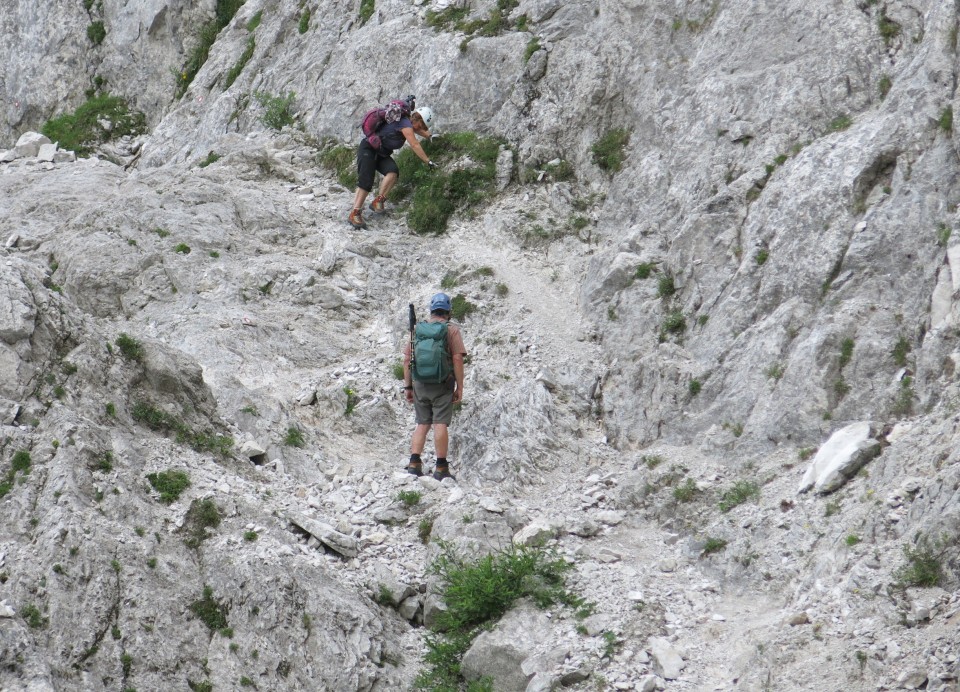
(426, 113)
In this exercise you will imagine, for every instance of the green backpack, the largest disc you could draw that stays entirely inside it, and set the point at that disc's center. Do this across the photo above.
(431, 353)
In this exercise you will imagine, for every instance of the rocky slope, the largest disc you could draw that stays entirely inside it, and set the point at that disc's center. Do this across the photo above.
(789, 184)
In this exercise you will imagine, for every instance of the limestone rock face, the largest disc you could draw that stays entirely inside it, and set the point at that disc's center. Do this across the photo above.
(719, 237)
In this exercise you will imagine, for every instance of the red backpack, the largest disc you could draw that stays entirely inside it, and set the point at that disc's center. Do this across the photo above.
(375, 118)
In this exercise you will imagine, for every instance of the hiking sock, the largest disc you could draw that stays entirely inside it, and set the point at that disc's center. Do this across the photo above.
(415, 459)
(441, 462)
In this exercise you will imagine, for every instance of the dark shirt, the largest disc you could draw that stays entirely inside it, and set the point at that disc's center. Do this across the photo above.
(391, 137)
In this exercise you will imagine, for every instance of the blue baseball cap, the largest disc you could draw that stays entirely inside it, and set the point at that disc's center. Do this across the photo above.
(441, 301)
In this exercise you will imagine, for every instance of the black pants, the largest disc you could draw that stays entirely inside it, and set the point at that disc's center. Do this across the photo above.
(370, 161)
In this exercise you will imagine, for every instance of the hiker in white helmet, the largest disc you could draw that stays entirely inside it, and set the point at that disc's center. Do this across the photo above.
(370, 160)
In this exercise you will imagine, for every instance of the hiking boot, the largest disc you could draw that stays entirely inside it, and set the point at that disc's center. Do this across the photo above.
(442, 472)
(378, 204)
(356, 219)
(415, 469)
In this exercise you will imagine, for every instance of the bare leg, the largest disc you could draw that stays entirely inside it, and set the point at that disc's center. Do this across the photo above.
(387, 184)
(359, 198)
(419, 438)
(440, 439)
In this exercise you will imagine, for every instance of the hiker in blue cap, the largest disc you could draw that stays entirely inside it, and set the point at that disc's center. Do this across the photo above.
(433, 382)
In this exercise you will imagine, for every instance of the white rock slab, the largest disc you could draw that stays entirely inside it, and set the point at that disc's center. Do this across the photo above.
(667, 662)
(840, 457)
(29, 144)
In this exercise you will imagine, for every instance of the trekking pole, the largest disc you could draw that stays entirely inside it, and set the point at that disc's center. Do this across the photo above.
(413, 325)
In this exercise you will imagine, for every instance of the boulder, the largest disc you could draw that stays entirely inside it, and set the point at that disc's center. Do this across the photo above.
(500, 653)
(29, 144)
(840, 458)
(338, 542)
(667, 662)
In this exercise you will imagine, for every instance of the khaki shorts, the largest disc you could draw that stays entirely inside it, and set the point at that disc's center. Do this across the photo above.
(433, 403)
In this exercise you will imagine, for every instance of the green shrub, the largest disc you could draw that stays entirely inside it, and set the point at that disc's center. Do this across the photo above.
(695, 387)
(533, 45)
(686, 492)
(841, 122)
(224, 13)
(846, 352)
(434, 195)
(761, 257)
(674, 323)
(182, 249)
(903, 404)
(250, 536)
(479, 591)
(943, 234)
(352, 400)
(409, 497)
(170, 484)
(884, 85)
(923, 566)
(666, 286)
(851, 540)
(212, 157)
(130, 348)
(210, 611)
(342, 162)
(644, 270)
(96, 33)
(900, 351)
(738, 494)
(424, 529)
(889, 29)
(276, 109)
(104, 462)
(460, 307)
(294, 437)
(397, 369)
(366, 10)
(304, 23)
(158, 420)
(237, 68)
(202, 515)
(255, 21)
(83, 130)
(608, 151)
(32, 616)
(714, 545)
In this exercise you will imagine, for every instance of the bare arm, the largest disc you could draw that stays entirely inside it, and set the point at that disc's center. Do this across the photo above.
(415, 144)
(458, 376)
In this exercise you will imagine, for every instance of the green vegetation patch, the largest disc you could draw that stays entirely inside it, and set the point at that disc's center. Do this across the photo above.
(210, 611)
(479, 591)
(96, 32)
(924, 564)
(738, 494)
(304, 23)
(202, 515)
(225, 11)
(237, 68)
(366, 10)
(455, 19)
(19, 464)
(82, 130)
(170, 484)
(130, 348)
(341, 161)
(433, 196)
(608, 151)
(161, 421)
(276, 109)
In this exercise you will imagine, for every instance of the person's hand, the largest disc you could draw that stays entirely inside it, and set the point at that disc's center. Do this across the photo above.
(457, 395)
(432, 165)
(409, 394)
